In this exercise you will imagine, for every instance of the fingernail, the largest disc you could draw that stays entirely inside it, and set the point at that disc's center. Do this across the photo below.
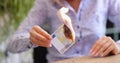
(96, 54)
(93, 53)
(50, 45)
(101, 55)
(49, 38)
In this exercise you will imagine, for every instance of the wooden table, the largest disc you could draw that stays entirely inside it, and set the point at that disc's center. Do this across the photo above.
(90, 59)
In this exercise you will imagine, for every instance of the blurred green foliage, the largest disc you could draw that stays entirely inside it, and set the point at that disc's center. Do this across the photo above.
(16, 11)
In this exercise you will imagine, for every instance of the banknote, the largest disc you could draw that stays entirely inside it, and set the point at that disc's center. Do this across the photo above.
(62, 39)
(64, 36)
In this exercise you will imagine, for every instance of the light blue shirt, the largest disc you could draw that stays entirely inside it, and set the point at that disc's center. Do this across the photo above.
(89, 24)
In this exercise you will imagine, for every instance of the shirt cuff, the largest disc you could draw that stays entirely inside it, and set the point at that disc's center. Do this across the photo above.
(118, 41)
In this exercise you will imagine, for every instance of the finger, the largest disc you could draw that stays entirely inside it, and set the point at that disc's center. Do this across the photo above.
(104, 47)
(33, 41)
(94, 46)
(38, 43)
(108, 50)
(98, 45)
(38, 36)
(42, 32)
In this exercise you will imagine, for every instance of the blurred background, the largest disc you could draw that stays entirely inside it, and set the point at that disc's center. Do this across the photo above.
(12, 13)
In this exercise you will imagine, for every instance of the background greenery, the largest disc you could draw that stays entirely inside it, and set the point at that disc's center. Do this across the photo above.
(12, 12)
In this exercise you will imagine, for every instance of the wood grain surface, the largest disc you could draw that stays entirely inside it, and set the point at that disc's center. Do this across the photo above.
(90, 59)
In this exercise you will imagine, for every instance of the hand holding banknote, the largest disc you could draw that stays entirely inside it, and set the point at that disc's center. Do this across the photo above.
(40, 37)
(63, 38)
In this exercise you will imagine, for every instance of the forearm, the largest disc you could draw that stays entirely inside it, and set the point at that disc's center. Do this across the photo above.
(20, 40)
(19, 43)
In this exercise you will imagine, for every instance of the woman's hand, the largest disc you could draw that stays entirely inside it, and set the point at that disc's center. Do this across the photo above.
(105, 46)
(40, 37)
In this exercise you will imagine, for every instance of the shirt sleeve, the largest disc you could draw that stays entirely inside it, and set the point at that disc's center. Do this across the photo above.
(114, 12)
(20, 41)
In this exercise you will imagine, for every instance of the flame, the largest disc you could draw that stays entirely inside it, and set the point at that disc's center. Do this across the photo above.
(64, 18)
(67, 21)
